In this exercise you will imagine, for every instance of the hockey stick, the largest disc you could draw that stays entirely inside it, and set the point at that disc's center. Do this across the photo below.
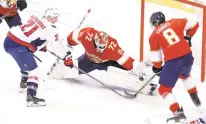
(135, 95)
(57, 60)
(37, 58)
(82, 71)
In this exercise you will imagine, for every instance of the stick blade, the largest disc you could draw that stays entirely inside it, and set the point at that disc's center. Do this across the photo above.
(129, 95)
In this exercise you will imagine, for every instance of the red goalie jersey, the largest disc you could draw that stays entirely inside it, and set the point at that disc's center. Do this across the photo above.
(168, 38)
(113, 52)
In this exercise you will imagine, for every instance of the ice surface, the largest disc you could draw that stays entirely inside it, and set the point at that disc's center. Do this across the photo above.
(82, 100)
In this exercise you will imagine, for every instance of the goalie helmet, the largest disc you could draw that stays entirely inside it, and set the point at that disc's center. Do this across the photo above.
(101, 41)
(157, 18)
(51, 15)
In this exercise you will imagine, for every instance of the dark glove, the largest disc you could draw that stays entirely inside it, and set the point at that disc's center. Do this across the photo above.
(68, 60)
(1, 19)
(188, 38)
(157, 71)
(44, 49)
(21, 4)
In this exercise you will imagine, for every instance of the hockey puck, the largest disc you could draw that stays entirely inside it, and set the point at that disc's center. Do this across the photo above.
(141, 78)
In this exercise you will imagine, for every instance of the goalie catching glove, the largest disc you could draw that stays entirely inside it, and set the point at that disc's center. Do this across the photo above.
(142, 70)
(68, 60)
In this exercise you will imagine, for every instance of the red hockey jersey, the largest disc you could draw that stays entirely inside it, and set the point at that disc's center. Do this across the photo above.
(112, 51)
(168, 38)
(8, 8)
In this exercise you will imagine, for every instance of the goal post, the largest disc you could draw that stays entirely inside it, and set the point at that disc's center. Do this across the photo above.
(142, 30)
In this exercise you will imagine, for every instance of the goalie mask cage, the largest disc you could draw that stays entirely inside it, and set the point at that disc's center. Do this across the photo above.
(198, 42)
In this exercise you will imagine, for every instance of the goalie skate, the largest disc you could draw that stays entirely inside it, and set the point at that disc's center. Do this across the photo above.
(33, 101)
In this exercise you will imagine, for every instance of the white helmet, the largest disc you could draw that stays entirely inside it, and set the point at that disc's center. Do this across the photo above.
(101, 41)
(51, 15)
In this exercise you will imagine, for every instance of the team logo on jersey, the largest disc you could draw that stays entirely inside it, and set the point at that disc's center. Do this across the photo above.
(95, 58)
(25, 65)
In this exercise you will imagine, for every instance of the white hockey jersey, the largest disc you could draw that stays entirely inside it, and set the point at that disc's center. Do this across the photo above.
(35, 34)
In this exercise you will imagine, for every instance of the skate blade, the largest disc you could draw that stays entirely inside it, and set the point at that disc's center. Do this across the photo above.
(22, 90)
(39, 104)
(182, 121)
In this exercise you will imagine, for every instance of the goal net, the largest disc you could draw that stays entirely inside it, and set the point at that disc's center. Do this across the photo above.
(177, 9)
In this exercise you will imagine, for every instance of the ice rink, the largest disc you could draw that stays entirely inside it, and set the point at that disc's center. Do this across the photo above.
(83, 100)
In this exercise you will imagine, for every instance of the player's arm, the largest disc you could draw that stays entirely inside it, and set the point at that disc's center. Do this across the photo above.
(120, 56)
(191, 26)
(74, 36)
(55, 42)
(156, 55)
(9, 8)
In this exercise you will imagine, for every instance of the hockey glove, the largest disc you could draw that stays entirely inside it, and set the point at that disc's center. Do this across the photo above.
(44, 49)
(21, 4)
(157, 71)
(1, 19)
(188, 38)
(68, 60)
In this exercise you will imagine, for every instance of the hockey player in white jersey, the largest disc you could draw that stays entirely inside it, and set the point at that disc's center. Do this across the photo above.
(198, 121)
(22, 41)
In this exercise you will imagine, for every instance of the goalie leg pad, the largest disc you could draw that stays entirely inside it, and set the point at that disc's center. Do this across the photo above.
(62, 72)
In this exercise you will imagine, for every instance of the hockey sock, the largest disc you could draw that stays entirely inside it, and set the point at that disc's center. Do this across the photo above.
(32, 85)
(24, 75)
(169, 98)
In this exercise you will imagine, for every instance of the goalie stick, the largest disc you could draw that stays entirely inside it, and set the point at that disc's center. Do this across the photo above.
(122, 95)
(58, 59)
(132, 96)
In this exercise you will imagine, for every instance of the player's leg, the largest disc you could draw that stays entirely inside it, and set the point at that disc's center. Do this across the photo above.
(26, 62)
(187, 80)
(115, 64)
(201, 120)
(85, 64)
(24, 78)
(168, 78)
(13, 21)
(24, 75)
